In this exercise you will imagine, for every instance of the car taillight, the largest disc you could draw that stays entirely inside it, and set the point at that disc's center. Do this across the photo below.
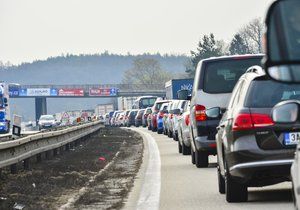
(187, 119)
(121, 118)
(245, 121)
(242, 122)
(200, 114)
(261, 120)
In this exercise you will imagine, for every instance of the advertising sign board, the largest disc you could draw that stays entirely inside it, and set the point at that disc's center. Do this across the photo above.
(70, 92)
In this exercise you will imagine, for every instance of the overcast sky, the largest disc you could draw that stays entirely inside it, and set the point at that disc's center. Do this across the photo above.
(37, 29)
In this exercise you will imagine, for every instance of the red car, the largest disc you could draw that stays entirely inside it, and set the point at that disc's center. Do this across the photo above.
(154, 113)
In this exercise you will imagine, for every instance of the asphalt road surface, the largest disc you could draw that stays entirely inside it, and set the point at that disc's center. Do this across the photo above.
(168, 180)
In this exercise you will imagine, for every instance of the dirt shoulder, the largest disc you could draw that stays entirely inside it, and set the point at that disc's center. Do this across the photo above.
(53, 183)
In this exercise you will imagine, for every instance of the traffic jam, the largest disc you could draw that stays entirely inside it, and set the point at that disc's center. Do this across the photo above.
(133, 131)
(244, 109)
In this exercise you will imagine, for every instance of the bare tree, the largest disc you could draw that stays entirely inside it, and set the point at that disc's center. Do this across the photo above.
(146, 72)
(252, 33)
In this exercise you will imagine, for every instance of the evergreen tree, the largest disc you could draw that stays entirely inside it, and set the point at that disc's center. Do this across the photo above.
(238, 46)
(207, 47)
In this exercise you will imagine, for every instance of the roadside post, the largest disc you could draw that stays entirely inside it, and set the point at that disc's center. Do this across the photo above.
(16, 130)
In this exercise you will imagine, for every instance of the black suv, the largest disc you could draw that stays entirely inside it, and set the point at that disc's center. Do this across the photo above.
(253, 150)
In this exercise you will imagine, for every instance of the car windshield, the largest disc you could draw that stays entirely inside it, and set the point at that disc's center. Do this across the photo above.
(267, 93)
(47, 117)
(221, 76)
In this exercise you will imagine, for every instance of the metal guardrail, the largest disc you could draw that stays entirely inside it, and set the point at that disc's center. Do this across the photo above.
(12, 152)
(5, 137)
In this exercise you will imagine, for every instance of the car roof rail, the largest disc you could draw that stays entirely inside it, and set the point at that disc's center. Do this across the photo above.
(256, 69)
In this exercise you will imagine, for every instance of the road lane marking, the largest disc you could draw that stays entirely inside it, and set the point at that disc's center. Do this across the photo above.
(150, 191)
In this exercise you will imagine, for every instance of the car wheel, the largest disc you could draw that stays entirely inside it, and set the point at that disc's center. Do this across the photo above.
(221, 182)
(185, 150)
(170, 134)
(201, 159)
(193, 156)
(149, 128)
(235, 192)
(159, 131)
(175, 137)
(179, 147)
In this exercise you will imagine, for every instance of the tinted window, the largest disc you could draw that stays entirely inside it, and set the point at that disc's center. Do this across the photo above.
(147, 102)
(157, 106)
(266, 93)
(221, 76)
(133, 113)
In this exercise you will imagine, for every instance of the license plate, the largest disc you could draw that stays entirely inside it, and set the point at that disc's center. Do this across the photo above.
(291, 138)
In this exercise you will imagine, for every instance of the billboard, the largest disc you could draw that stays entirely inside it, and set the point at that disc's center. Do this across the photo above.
(103, 92)
(13, 91)
(37, 92)
(70, 92)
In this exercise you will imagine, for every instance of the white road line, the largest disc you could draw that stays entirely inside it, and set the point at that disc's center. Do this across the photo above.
(150, 192)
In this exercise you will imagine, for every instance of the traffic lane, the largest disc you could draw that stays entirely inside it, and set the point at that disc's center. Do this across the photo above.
(183, 186)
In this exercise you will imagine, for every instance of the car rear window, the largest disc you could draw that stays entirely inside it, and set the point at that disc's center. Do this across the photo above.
(158, 105)
(221, 76)
(267, 93)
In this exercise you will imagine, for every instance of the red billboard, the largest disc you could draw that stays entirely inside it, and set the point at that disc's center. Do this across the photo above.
(100, 92)
(70, 92)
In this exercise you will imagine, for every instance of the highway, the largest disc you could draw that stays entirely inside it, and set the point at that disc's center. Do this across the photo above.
(183, 186)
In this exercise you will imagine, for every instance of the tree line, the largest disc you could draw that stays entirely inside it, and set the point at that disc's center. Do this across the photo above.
(247, 40)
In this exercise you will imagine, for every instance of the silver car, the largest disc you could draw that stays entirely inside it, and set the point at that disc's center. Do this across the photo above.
(184, 140)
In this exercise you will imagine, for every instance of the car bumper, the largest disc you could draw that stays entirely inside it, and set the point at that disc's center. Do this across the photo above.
(251, 165)
(262, 173)
(202, 144)
(46, 126)
(160, 124)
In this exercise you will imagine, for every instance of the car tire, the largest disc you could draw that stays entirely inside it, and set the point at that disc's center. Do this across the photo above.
(159, 131)
(152, 129)
(179, 147)
(175, 137)
(149, 128)
(170, 135)
(185, 149)
(235, 192)
(201, 158)
(221, 182)
(193, 156)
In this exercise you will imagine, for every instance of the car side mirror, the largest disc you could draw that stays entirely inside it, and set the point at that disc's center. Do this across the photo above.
(286, 112)
(281, 42)
(214, 113)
